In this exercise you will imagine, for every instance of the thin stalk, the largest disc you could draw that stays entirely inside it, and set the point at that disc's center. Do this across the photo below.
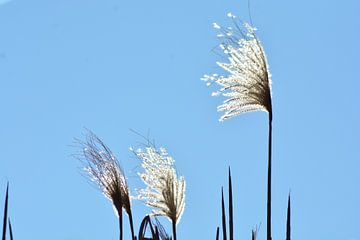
(288, 225)
(223, 214)
(217, 233)
(231, 218)
(142, 228)
(269, 181)
(131, 225)
(10, 230)
(121, 225)
(5, 212)
(174, 229)
(157, 234)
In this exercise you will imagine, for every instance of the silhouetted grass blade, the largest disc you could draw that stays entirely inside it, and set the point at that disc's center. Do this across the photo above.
(5, 212)
(10, 229)
(223, 214)
(157, 232)
(217, 233)
(231, 221)
(161, 232)
(288, 227)
(143, 226)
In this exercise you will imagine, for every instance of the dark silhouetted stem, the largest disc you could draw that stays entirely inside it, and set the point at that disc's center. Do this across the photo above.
(131, 225)
(121, 225)
(5, 212)
(269, 182)
(217, 233)
(223, 214)
(157, 234)
(288, 227)
(174, 229)
(10, 230)
(231, 221)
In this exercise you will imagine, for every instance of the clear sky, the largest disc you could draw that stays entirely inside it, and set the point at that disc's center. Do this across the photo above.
(112, 65)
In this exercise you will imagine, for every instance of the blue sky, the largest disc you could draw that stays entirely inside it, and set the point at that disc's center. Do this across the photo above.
(114, 65)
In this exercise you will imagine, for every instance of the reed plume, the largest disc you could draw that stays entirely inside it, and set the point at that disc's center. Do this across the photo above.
(165, 191)
(247, 85)
(105, 171)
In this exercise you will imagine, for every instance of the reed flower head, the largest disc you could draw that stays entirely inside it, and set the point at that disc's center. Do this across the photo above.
(165, 190)
(103, 169)
(248, 83)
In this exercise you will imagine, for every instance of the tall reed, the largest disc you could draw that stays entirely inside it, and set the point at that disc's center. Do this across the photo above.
(165, 191)
(105, 171)
(248, 83)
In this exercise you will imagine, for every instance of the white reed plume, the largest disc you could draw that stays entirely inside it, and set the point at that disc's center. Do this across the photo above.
(165, 191)
(247, 85)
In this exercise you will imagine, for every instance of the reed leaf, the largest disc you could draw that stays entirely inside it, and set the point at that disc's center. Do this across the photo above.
(143, 226)
(10, 230)
(288, 219)
(223, 215)
(161, 230)
(5, 212)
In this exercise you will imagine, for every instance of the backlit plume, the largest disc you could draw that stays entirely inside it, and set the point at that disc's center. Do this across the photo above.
(165, 191)
(247, 85)
(104, 170)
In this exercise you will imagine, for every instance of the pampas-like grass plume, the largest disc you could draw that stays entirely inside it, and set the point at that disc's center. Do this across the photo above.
(165, 190)
(104, 170)
(248, 84)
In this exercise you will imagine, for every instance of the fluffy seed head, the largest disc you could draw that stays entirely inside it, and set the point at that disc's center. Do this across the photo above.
(165, 191)
(248, 83)
(104, 170)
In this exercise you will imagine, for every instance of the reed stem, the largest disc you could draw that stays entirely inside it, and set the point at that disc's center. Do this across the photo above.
(269, 182)
(174, 229)
(131, 225)
(121, 225)
(231, 218)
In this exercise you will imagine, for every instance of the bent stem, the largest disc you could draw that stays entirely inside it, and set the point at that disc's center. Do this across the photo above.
(269, 181)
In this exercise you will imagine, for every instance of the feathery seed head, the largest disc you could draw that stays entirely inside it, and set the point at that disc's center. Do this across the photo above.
(103, 169)
(165, 191)
(248, 83)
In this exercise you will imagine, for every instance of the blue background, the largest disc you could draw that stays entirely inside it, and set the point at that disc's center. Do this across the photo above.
(111, 65)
